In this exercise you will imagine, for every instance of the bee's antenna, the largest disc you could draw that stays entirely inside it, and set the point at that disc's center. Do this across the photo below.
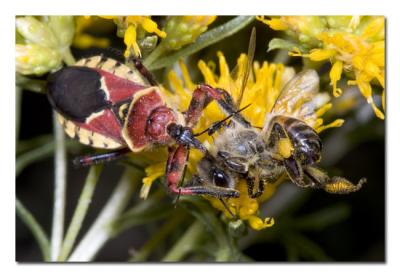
(227, 208)
(218, 124)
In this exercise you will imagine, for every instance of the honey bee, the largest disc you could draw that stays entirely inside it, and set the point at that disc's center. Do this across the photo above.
(286, 145)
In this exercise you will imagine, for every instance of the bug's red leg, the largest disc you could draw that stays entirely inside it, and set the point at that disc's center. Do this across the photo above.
(174, 174)
(202, 96)
(94, 159)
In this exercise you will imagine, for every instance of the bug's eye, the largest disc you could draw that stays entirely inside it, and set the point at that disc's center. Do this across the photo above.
(219, 177)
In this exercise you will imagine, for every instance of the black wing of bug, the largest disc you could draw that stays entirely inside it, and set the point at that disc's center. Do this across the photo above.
(76, 93)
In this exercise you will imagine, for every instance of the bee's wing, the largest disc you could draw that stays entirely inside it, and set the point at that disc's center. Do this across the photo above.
(246, 72)
(299, 97)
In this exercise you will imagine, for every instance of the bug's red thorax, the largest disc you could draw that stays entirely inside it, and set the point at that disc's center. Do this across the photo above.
(147, 120)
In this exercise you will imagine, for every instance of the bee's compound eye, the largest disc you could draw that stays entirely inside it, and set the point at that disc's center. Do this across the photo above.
(220, 178)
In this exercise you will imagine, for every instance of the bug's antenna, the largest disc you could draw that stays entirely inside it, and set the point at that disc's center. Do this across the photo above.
(177, 199)
(227, 208)
(217, 125)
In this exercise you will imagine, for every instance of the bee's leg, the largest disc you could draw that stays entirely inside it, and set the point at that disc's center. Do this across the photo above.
(295, 171)
(335, 185)
(175, 172)
(250, 187)
(143, 70)
(88, 160)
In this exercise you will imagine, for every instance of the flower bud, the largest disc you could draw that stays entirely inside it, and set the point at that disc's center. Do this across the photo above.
(63, 27)
(36, 59)
(183, 30)
(36, 32)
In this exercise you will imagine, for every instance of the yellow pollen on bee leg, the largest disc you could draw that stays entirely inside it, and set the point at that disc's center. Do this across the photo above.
(285, 147)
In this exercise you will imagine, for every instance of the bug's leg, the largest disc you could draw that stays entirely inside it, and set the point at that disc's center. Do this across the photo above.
(202, 96)
(221, 123)
(143, 70)
(175, 171)
(88, 160)
(295, 171)
(335, 185)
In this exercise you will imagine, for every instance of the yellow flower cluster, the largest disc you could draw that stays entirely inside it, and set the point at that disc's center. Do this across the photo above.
(129, 26)
(262, 90)
(183, 30)
(353, 45)
(84, 40)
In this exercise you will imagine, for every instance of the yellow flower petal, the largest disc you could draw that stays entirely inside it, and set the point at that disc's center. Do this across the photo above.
(130, 41)
(321, 54)
(335, 74)
(151, 27)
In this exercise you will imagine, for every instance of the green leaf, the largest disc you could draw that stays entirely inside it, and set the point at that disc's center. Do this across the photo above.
(278, 43)
(206, 39)
(305, 247)
(227, 248)
(37, 230)
(148, 210)
(321, 219)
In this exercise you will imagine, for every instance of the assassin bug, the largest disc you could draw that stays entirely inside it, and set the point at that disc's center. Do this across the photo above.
(106, 104)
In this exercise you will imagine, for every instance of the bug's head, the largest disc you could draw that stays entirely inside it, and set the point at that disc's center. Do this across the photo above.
(147, 119)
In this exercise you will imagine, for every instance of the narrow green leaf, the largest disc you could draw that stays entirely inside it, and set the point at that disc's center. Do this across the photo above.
(26, 216)
(278, 43)
(80, 211)
(206, 39)
(227, 249)
(305, 247)
(323, 218)
(146, 211)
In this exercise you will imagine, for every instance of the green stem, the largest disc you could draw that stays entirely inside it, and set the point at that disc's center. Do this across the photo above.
(33, 85)
(186, 243)
(100, 232)
(36, 154)
(60, 184)
(18, 98)
(154, 55)
(68, 57)
(157, 238)
(35, 228)
(80, 211)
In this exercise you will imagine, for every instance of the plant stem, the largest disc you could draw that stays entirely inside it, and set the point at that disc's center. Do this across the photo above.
(68, 57)
(80, 211)
(18, 98)
(36, 154)
(33, 85)
(101, 231)
(35, 228)
(157, 238)
(154, 55)
(186, 243)
(60, 184)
